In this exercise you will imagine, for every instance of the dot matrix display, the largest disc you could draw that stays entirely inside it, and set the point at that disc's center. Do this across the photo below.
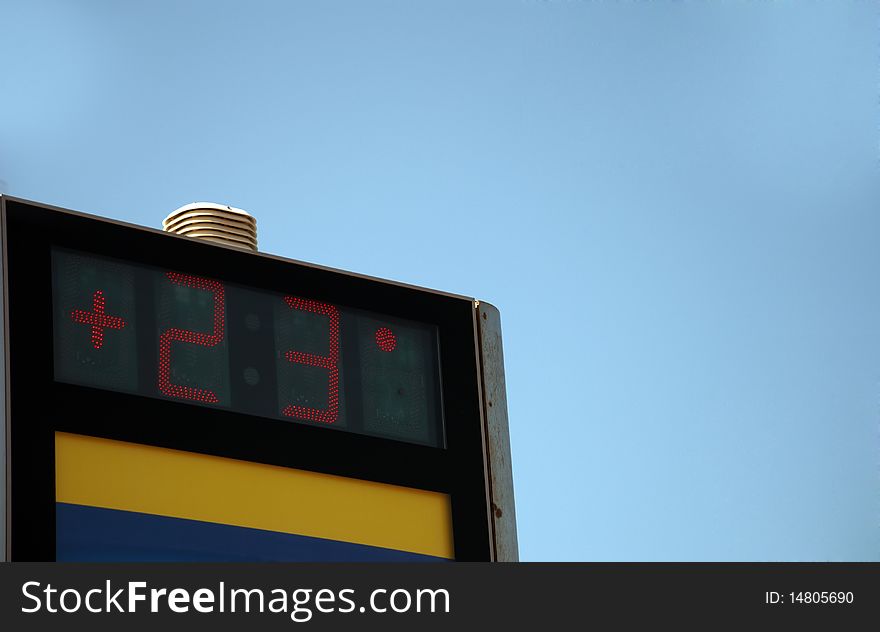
(189, 299)
(182, 337)
(329, 361)
(97, 319)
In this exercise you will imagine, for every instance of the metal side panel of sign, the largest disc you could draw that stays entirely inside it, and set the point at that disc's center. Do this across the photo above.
(4, 414)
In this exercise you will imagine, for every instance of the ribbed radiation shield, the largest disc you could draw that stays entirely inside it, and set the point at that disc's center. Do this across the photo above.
(214, 222)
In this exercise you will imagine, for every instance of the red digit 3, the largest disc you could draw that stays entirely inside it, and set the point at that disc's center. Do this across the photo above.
(330, 362)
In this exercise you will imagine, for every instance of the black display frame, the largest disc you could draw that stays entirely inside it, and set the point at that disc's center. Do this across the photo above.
(38, 406)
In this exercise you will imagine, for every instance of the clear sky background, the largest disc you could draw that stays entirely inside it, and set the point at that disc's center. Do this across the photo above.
(675, 206)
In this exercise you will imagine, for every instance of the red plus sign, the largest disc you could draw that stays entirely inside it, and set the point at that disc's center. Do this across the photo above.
(97, 319)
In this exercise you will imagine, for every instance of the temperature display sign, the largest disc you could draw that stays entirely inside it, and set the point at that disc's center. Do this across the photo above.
(189, 338)
(167, 398)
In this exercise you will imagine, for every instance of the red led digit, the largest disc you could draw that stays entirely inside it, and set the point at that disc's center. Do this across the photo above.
(330, 362)
(191, 337)
(97, 318)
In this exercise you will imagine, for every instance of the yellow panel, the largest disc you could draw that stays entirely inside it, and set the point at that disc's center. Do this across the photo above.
(132, 477)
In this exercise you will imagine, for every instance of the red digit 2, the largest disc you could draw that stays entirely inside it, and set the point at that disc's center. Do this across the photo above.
(330, 362)
(174, 334)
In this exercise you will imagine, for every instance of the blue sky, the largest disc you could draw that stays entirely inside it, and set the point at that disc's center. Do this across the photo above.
(673, 204)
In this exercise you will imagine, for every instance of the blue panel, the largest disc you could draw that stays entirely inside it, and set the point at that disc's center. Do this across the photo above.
(92, 534)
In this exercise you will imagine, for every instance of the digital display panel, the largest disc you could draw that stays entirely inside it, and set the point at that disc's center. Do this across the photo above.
(187, 338)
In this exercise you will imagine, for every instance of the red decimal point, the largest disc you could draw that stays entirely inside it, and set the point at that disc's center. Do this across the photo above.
(385, 339)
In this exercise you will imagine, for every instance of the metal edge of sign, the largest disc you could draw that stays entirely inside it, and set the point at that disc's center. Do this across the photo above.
(484, 438)
(264, 255)
(5, 551)
(497, 433)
